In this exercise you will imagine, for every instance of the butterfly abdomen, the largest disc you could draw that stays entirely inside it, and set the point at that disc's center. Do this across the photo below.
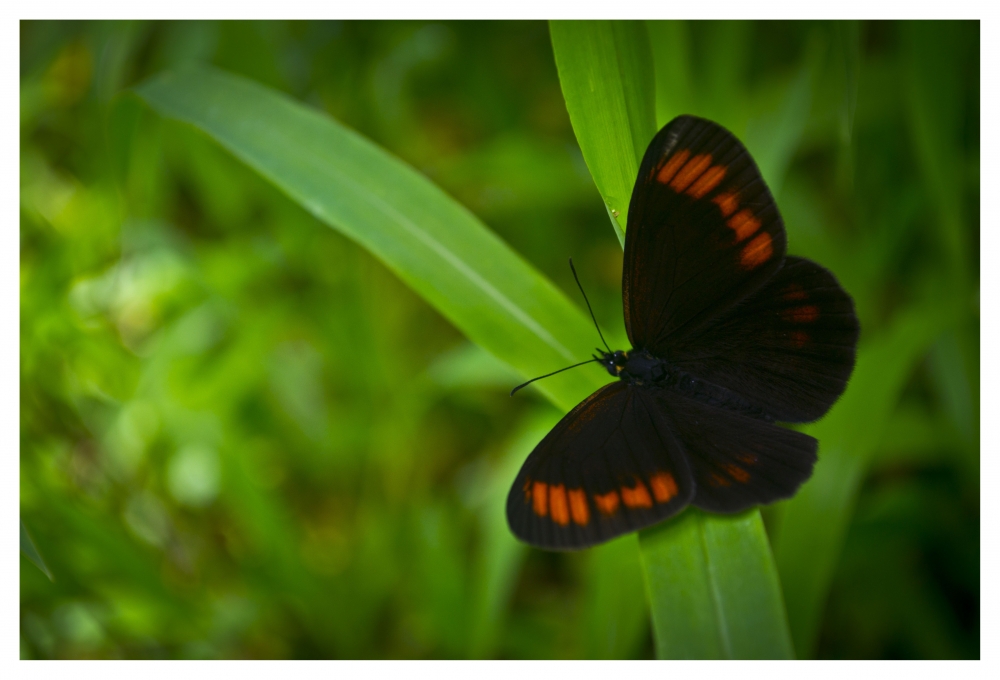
(645, 370)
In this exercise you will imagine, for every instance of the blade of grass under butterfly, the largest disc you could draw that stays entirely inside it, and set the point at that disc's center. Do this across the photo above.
(712, 583)
(716, 588)
(606, 74)
(427, 238)
(671, 45)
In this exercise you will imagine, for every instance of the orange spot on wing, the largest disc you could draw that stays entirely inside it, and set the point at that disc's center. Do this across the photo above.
(806, 314)
(718, 480)
(799, 339)
(728, 203)
(578, 506)
(757, 252)
(664, 486)
(690, 172)
(672, 166)
(744, 224)
(557, 505)
(637, 496)
(747, 458)
(540, 498)
(795, 292)
(738, 473)
(708, 181)
(608, 503)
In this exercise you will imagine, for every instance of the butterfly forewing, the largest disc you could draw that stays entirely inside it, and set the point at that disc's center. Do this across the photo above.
(703, 232)
(611, 466)
(788, 349)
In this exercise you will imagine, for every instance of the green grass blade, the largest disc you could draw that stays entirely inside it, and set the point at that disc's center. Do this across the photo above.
(712, 582)
(500, 555)
(773, 139)
(671, 45)
(433, 243)
(31, 552)
(933, 53)
(716, 588)
(606, 74)
(810, 528)
(615, 615)
(847, 46)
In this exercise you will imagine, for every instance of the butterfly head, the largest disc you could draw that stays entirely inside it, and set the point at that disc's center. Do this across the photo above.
(614, 362)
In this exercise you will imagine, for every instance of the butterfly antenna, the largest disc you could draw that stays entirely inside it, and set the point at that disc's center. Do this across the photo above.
(588, 305)
(588, 361)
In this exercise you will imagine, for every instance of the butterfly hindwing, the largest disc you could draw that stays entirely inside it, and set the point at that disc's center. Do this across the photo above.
(609, 467)
(737, 461)
(788, 349)
(703, 232)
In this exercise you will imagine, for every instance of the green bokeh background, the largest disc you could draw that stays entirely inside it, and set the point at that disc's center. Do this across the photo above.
(242, 436)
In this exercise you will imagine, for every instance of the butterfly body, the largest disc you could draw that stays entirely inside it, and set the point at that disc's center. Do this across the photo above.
(639, 368)
(730, 336)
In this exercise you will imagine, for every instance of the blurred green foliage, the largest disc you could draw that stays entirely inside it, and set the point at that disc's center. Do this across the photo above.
(241, 436)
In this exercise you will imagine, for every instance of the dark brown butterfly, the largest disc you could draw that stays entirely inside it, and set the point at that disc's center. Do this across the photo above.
(728, 336)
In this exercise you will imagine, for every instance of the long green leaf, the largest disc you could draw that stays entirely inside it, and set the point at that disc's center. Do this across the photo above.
(31, 552)
(712, 583)
(671, 45)
(433, 243)
(606, 74)
(733, 609)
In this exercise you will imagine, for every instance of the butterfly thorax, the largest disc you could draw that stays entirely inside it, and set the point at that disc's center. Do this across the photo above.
(643, 369)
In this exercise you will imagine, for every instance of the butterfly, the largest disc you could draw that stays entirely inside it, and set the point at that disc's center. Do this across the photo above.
(729, 336)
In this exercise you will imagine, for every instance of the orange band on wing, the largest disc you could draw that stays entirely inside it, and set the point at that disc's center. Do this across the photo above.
(757, 252)
(794, 291)
(728, 203)
(738, 473)
(540, 498)
(690, 172)
(805, 314)
(578, 506)
(718, 480)
(744, 224)
(607, 503)
(664, 486)
(708, 181)
(637, 496)
(672, 166)
(557, 505)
